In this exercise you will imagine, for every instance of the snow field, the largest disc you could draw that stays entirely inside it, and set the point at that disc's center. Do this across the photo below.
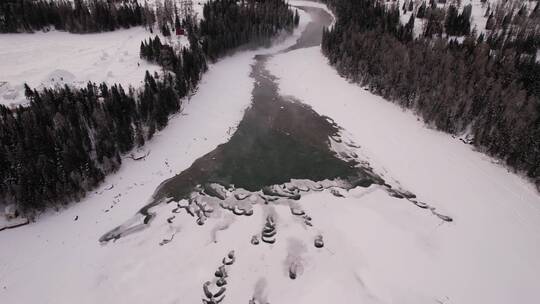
(486, 255)
(57, 58)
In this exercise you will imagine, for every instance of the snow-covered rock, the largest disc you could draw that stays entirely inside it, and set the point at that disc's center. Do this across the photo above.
(11, 211)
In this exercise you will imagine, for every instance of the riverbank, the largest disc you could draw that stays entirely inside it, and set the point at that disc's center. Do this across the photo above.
(64, 245)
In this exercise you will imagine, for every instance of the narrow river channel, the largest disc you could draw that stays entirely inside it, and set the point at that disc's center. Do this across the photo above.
(278, 141)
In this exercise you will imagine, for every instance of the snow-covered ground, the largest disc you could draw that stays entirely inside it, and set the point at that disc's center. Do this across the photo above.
(378, 249)
(46, 59)
(487, 255)
(60, 256)
(57, 58)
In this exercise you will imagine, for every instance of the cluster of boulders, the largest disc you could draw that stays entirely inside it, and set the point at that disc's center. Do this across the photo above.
(194, 207)
(268, 234)
(215, 292)
(237, 210)
(202, 211)
(411, 197)
(222, 193)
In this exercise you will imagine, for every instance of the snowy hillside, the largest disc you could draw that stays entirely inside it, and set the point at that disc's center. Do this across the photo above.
(478, 15)
(469, 234)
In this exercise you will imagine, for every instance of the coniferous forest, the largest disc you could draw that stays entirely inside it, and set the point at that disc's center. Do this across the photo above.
(67, 140)
(254, 22)
(78, 17)
(488, 85)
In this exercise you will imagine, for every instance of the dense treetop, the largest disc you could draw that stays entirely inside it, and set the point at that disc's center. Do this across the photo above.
(489, 85)
(78, 16)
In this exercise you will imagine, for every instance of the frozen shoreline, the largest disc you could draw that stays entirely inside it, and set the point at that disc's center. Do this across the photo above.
(378, 249)
(495, 236)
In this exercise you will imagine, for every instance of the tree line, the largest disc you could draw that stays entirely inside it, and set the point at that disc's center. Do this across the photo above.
(79, 16)
(67, 140)
(253, 22)
(486, 85)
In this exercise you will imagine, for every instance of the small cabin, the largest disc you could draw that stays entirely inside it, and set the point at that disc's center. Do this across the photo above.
(180, 31)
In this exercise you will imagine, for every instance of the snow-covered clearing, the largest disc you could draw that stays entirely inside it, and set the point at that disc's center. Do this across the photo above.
(57, 58)
(378, 249)
(47, 59)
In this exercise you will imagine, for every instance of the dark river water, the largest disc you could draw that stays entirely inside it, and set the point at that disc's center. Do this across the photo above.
(312, 35)
(278, 139)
